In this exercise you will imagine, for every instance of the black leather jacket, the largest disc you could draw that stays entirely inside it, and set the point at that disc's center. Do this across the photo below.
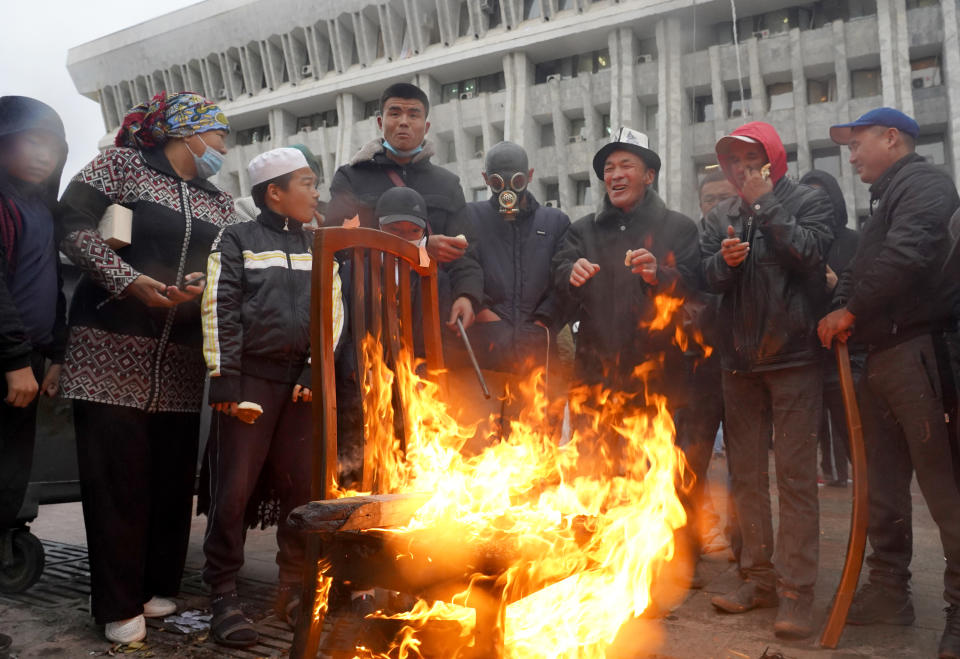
(771, 303)
(896, 286)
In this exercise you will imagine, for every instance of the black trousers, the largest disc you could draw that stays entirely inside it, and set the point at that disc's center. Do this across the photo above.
(901, 400)
(137, 472)
(697, 425)
(786, 402)
(18, 427)
(834, 439)
(278, 443)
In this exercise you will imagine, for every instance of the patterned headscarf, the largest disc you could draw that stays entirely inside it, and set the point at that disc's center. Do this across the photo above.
(150, 125)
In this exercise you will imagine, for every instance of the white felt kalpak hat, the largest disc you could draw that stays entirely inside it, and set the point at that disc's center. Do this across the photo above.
(275, 162)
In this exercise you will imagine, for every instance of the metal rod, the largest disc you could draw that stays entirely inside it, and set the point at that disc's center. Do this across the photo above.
(473, 358)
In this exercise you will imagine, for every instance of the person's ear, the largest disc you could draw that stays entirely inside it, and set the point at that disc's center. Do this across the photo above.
(273, 192)
(426, 128)
(484, 175)
(380, 122)
(530, 176)
(648, 176)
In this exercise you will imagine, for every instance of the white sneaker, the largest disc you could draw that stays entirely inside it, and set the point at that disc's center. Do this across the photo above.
(158, 607)
(126, 631)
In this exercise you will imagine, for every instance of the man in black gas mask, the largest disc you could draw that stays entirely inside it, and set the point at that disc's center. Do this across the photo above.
(516, 238)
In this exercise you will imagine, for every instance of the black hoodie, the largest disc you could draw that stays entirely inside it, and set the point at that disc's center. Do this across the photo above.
(32, 307)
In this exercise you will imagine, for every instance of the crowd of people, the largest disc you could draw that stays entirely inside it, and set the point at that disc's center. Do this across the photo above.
(209, 289)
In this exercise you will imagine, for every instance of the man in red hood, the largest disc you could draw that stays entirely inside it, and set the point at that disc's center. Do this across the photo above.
(764, 255)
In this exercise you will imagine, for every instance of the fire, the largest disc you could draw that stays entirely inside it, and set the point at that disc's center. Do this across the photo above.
(567, 540)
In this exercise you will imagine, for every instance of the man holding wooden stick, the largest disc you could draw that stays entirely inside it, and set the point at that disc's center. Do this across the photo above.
(897, 299)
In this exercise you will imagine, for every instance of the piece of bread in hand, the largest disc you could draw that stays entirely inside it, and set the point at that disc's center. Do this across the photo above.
(248, 412)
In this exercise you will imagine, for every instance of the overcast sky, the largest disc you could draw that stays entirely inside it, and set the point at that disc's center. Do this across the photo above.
(33, 58)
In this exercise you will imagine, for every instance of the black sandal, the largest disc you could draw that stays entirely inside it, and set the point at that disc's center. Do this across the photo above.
(229, 626)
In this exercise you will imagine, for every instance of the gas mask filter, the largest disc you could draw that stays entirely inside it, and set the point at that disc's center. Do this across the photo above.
(508, 193)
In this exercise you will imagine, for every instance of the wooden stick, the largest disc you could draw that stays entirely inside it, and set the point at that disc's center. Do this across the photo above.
(860, 514)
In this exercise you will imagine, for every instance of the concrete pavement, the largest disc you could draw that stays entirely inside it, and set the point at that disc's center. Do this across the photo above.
(693, 630)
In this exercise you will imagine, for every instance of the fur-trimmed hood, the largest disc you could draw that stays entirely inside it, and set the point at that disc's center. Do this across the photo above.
(369, 152)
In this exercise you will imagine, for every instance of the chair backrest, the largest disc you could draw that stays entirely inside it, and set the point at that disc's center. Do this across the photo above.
(381, 265)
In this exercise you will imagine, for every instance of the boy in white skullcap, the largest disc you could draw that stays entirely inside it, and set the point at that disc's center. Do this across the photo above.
(256, 342)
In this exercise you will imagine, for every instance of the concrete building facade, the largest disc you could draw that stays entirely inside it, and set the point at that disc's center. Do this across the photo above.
(552, 75)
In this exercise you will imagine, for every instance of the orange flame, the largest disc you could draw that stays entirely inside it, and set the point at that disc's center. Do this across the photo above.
(580, 530)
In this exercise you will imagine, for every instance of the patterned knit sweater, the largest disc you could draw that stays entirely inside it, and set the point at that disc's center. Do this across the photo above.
(119, 351)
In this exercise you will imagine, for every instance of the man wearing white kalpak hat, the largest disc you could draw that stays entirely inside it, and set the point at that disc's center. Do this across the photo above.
(614, 262)
(256, 331)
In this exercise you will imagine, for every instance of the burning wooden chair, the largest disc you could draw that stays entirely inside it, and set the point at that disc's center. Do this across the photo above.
(359, 541)
(381, 307)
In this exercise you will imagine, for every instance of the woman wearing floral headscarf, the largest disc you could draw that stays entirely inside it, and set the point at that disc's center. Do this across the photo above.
(134, 367)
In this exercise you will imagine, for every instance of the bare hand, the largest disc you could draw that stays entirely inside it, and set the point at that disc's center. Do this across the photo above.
(51, 381)
(462, 308)
(643, 263)
(486, 316)
(149, 291)
(835, 325)
(302, 393)
(446, 248)
(582, 271)
(188, 293)
(831, 279)
(733, 249)
(21, 387)
(755, 186)
(226, 408)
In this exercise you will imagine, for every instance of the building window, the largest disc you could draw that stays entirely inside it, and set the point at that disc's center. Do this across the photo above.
(918, 4)
(925, 72)
(317, 120)
(469, 88)
(865, 82)
(703, 109)
(253, 135)
(552, 194)
(495, 82)
(571, 67)
(478, 146)
(861, 8)
(452, 151)
(584, 196)
(605, 122)
(578, 130)
(821, 90)
(737, 107)
(780, 95)
(827, 160)
(932, 148)
(547, 138)
(371, 109)
(481, 194)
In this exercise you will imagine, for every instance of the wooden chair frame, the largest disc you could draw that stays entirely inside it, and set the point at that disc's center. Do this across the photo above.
(387, 319)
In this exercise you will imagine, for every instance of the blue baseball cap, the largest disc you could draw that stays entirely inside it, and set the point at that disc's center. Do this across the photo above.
(878, 117)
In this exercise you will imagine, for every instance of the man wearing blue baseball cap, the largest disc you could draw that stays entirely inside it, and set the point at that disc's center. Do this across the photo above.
(897, 300)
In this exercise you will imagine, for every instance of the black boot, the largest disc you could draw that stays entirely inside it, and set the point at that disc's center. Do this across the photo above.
(794, 616)
(748, 596)
(878, 605)
(950, 641)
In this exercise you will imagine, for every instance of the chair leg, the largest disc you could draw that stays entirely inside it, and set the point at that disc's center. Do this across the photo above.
(306, 636)
(488, 633)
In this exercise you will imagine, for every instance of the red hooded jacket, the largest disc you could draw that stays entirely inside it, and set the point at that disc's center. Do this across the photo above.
(768, 137)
